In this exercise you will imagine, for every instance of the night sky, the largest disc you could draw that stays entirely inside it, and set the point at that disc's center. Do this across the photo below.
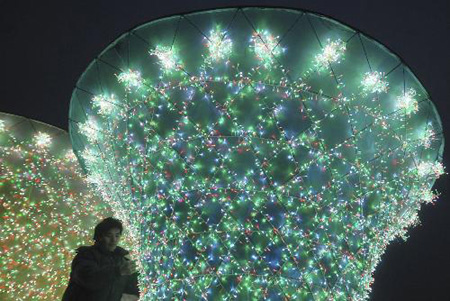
(46, 45)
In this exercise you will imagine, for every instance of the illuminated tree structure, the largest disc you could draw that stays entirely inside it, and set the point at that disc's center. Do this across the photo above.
(46, 209)
(256, 153)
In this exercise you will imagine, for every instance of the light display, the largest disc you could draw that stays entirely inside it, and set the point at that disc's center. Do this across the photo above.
(257, 153)
(47, 209)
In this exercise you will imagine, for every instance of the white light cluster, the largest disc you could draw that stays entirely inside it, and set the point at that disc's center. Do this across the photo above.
(105, 105)
(407, 102)
(89, 155)
(131, 79)
(2, 126)
(166, 56)
(42, 139)
(427, 138)
(426, 169)
(90, 129)
(266, 47)
(332, 52)
(219, 45)
(374, 82)
(427, 196)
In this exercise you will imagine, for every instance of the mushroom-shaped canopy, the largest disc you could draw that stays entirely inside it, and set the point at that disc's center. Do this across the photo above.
(257, 153)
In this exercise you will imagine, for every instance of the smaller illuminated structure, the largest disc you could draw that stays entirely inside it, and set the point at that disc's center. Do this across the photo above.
(47, 209)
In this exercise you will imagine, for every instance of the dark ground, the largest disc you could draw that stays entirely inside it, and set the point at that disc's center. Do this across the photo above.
(46, 45)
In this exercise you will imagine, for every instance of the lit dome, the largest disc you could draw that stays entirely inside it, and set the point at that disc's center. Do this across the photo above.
(257, 153)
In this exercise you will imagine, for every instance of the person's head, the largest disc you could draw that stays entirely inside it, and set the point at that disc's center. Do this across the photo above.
(108, 232)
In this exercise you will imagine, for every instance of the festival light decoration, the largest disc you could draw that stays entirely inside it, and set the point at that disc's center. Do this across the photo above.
(46, 209)
(276, 167)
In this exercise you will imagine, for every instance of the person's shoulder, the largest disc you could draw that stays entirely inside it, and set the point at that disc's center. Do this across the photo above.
(84, 251)
(121, 251)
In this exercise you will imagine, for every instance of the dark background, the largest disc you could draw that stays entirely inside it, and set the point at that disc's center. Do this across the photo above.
(46, 45)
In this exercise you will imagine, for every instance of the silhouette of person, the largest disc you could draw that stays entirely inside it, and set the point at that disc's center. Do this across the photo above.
(103, 271)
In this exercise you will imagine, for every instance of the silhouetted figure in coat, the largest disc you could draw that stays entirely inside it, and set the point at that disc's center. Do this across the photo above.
(103, 272)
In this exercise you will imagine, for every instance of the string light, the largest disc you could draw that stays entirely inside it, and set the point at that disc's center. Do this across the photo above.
(261, 178)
